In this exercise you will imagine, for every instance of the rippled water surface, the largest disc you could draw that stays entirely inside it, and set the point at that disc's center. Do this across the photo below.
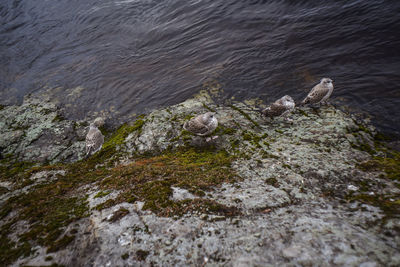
(131, 56)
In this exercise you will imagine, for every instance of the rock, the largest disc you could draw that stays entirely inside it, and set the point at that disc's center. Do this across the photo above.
(300, 192)
(35, 131)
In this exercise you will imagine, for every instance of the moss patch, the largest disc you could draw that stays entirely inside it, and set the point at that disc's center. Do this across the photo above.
(50, 207)
(117, 215)
(222, 130)
(253, 138)
(208, 108)
(121, 133)
(302, 112)
(389, 163)
(61, 243)
(391, 166)
(388, 206)
(247, 116)
(150, 179)
(101, 194)
(14, 171)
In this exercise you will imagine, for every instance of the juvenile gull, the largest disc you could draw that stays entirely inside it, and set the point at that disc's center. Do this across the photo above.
(282, 106)
(94, 138)
(320, 93)
(202, 125)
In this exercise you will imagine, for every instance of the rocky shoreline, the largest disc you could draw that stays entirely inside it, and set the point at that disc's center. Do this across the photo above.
(322, 190)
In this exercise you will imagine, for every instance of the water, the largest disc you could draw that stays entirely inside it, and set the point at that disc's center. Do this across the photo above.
(131, 56)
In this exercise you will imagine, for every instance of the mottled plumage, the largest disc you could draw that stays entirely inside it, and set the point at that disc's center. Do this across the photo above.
(320, 93)
(202, 125)
(94, 138)
(281, 106)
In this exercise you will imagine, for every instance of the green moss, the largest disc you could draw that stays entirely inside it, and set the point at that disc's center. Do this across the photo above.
(48, 208)
(9, 250)
(125, 256)
(389, 207)
(253, 138)
(246, 136)
(286, 166)
(235, 144)
(101, 194)
(14, 171)
(188, 117)
(150, 179)
(60, 244)
(389, 163)
(174, 118)
(2, 107)
(117, 215)
(362, 128)
(266, 155)
(365, 148)
(122, 132)
(222, 130)
(247, 116)
(106, 204)
(184, 135)
(58, 118)
(208, 108)
(302, 112)
(391, 166)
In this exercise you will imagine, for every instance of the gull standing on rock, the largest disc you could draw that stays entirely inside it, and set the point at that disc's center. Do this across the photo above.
(202, 125)
(282, 106)
(94, 138)
(320, 93)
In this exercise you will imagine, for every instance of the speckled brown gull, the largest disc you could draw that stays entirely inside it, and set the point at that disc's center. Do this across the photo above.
(280, 107)
(319, 93)
(94, 138)
(202, 125)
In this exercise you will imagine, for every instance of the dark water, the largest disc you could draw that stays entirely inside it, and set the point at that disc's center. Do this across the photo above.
(136, 55)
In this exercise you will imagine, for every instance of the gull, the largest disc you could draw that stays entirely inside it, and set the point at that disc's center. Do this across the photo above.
(94, 138)
(202, 125)
(319, 93)
(282, 106)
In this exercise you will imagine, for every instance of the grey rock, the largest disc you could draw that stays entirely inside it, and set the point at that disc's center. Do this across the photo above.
(286, 172)
(35, 131)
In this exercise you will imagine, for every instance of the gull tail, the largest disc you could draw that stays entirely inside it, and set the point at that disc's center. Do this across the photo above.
(88, 152)
(185, 125)
(302, 103)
